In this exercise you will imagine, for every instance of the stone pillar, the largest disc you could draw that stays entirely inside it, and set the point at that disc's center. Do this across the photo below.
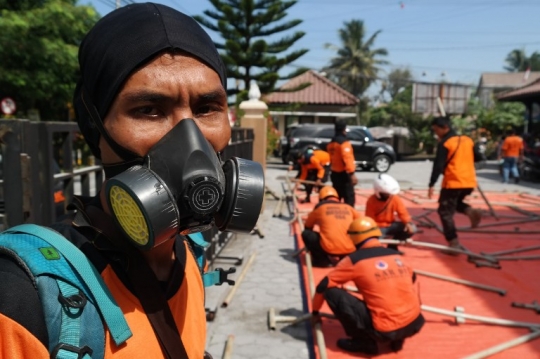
(253, 117)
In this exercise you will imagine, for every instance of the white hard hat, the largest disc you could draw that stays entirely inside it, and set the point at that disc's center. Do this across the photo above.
(385, 184)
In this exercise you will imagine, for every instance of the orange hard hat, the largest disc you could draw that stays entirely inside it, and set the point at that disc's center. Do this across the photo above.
(363, 228)
(327, 191)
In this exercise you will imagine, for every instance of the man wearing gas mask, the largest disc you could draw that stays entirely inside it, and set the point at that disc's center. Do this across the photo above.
(152, 105)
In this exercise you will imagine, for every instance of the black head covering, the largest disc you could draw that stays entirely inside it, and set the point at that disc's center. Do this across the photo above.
(340, 125)
(120, 43)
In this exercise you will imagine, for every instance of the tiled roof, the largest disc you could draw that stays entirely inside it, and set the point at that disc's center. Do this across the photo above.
(507, 79)
(530, 90)
(321, 92)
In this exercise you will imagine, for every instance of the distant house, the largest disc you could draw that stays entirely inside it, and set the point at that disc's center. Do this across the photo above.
(322, 101)
(493, 83)
(529, 95)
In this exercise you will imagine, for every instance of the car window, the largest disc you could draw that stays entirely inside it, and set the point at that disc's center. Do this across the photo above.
(360, 134)
(289, 131)
(368, 134)
(327, 132)
(305, 131)
(356, 135)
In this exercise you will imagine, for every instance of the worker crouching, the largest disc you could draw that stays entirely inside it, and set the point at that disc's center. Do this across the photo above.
(383, 207)
(314, 167)
(390, 309)
(333, 218)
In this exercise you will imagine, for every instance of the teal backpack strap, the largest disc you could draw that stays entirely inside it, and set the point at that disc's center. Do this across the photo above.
(70, 330)
(198, 249)
(218, 277)
(215, 277)
(94, 286)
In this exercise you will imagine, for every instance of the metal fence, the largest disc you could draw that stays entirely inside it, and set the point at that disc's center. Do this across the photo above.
(37, 161)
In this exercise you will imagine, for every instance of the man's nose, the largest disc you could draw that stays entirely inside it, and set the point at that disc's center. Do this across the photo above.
(182, 114)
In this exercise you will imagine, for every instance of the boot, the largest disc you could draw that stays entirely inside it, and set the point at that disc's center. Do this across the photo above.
(366, 346)
(475, 216)
(396, 345)
(394, 247)
(306, 200)
(454, 243)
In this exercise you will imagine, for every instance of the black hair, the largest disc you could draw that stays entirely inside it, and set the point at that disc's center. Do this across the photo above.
(511, 131)
(441, 122)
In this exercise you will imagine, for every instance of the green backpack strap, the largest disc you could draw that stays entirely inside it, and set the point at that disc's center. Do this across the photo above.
(98, 291)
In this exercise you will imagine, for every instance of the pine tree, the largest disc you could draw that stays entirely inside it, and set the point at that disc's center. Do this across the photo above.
(246, 27)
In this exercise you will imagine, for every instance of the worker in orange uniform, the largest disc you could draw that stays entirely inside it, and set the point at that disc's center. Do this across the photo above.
(384, 205)
(390, 309)
(314, 167)
(333, 219)
(511, 153)
(455, 161)
(342, 163)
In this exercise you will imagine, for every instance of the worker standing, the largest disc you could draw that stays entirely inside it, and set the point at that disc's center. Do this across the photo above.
(342, 163)
(384, 205)
(333, 219)
(314, 167)
(390, 309)
(455, 161)
(511, 153)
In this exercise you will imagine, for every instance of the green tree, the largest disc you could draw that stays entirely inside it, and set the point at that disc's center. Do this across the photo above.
(398, 112)
(397, 80)
(517, 60)
(39, 41)
(246, 27)
(357, 63)
(498, 119)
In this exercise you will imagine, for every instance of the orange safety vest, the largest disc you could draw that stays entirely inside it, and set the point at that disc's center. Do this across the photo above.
(318, 161)
(512, 146)
(341, 154)
(333, 219)
(384, 212)
(383, 280)
(459, 171)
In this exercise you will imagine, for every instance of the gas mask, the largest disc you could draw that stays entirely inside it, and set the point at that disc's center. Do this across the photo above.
(182, 187)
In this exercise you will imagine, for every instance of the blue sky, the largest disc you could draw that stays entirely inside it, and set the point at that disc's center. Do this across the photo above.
(457, 38)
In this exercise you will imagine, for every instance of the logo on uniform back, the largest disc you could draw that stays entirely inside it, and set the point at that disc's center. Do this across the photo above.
(399, 262)
(382, 265)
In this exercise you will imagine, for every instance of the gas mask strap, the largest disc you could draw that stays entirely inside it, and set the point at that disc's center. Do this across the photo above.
(97, 121)
(114, 169)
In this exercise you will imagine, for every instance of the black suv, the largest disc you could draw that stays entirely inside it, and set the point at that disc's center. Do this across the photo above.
(368, 153)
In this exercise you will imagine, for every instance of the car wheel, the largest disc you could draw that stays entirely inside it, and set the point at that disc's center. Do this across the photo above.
(381, 163)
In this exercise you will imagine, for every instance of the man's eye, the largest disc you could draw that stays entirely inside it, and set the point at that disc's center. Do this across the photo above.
(205, 109)
(147, 111)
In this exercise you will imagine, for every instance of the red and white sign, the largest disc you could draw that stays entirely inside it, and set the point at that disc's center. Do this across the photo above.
(8, 106)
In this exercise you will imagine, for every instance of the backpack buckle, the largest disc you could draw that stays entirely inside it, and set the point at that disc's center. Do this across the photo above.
(223, 275)
(80, 351)
(73, 301)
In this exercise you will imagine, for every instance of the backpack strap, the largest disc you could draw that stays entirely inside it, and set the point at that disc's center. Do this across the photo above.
(210, 278)
(82, 272)
(146, 287)
(68, 346)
